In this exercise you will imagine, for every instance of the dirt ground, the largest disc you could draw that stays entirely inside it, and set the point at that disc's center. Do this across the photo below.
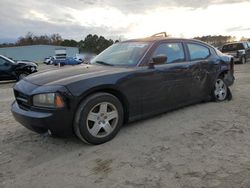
(204, 145)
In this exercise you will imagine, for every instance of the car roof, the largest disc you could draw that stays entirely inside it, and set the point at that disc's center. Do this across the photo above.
(240, 42)
(154, 39)
(158, 39)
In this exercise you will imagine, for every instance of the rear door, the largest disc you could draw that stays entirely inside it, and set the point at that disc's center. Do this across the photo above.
(201, 67)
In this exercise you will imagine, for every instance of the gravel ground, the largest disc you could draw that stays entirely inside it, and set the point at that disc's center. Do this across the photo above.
(204, 145)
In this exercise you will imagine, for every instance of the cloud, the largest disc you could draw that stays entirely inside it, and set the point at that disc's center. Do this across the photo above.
(136, 6)
(237, 29)
(113, 18)
(65, 17)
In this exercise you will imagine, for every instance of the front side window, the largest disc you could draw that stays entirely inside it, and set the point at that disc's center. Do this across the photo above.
(173, 51)
(198, 52)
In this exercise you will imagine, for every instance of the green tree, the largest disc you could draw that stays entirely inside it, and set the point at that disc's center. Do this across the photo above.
(71, 43)
(94, 44)
(31, 39)
(216, 40)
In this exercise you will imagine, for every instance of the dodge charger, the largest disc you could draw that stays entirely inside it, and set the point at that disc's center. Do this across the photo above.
(128, 81)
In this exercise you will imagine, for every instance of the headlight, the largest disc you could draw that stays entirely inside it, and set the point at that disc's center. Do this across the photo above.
(51, 100)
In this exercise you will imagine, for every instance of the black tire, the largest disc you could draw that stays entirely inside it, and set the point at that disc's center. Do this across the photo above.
(81, 123)
(243, 60)
(220, 93)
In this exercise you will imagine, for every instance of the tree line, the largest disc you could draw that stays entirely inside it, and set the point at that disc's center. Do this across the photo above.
(96, 44)
(216, 40)
(91, 43)
(219, 40)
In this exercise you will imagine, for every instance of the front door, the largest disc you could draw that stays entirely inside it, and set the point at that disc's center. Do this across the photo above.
(166, 86)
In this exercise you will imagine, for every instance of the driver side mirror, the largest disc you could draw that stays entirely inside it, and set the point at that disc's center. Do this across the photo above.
(158, 60)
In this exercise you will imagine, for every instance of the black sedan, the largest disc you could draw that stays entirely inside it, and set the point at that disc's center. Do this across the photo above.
(128, 81)
(11, 70)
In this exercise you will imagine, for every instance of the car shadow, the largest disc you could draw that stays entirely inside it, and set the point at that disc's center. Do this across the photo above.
(7, 82)
(163, 114)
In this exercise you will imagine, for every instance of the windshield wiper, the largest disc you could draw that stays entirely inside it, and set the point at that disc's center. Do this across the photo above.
(103, 63)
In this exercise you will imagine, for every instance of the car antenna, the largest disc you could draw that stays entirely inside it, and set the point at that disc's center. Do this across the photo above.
(161, 34)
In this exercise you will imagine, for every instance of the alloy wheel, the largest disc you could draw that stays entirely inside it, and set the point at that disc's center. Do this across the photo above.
(102, 119)
(220, 91)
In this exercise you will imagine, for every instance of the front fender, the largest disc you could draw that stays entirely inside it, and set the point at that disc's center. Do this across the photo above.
(122, 85)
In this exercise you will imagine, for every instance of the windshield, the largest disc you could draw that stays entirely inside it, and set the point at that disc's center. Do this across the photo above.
(122, 54)
(232, 47)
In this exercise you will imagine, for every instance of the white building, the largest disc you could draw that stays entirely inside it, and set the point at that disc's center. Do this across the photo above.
(35, 52)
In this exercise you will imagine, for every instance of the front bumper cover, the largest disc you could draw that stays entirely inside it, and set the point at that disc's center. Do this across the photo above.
(57, 121)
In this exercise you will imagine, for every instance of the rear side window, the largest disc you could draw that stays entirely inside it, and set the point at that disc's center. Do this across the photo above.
(173, 51)
(197, 51)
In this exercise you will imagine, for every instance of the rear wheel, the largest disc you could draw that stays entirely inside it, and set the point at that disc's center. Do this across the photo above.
(220, 92)
(98, 118)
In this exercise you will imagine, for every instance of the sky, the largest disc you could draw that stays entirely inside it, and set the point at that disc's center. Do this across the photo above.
(125, 19)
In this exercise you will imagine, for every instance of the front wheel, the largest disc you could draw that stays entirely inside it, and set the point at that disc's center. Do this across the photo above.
(220, 92)
(98, 118)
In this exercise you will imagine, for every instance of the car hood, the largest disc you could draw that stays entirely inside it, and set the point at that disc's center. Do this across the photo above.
(26, 63)
(66, 75)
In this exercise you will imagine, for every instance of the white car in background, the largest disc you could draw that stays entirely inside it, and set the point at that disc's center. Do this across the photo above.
(49, 60)
(80, 57)
(85, 58)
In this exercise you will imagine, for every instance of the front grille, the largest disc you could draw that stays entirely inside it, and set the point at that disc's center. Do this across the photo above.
(23, 100)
